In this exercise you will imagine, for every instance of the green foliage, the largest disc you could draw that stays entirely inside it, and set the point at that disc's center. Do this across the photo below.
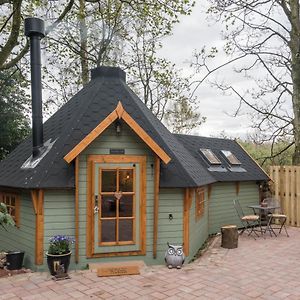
(268, 154)
(60, 244)
(182, 117)
(5, 217)
(14, 125)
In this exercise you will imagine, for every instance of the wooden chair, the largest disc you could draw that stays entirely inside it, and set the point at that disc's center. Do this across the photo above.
(276, 219)
(249, 222)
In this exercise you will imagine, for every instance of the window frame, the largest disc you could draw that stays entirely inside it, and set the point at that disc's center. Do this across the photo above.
(199, 203)
(117, 218)
(231, 158)
(210, 156)
(5, 197)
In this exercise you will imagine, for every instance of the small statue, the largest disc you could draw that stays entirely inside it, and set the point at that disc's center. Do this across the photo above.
(174, 256)
(60, 273)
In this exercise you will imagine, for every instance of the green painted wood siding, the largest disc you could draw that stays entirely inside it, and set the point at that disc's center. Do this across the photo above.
(133, 145)
(23, 237)
(198, 228)
(221, 209)
(170, 202)
(59, 217)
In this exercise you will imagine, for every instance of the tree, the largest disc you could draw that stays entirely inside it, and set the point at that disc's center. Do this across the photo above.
(86, 33)
(262, 43)
(14, 125)
(182, 117)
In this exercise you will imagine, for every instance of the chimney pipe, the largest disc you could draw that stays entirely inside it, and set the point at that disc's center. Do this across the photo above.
(35, 30)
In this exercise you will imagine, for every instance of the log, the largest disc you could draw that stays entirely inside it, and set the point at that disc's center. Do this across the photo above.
(230, 236)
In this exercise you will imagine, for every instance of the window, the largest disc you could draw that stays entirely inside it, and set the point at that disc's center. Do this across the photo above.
(12, 202)
(117, 206)
(210, 156)
(231, 158)
(199, 202)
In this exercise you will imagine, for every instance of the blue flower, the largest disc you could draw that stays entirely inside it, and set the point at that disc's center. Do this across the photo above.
(60, 244)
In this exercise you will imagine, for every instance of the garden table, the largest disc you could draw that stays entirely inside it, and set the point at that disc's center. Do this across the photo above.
(264, 211)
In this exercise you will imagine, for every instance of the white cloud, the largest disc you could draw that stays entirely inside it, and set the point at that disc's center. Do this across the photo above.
(193, 32)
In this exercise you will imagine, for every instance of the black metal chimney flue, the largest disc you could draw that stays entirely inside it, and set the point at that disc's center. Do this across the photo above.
(35, 30)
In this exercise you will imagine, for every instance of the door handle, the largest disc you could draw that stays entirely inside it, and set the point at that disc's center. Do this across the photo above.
(96, 208)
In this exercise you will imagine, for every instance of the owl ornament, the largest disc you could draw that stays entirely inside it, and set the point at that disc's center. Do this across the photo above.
(174, 256)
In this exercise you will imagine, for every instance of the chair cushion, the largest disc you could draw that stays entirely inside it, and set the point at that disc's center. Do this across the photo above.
(278, 216)
(250, 218)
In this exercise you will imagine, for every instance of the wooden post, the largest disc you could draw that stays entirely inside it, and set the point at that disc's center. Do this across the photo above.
(187, 202)
(38, 205)
(76, 210)
(156, 204)
(229, 236)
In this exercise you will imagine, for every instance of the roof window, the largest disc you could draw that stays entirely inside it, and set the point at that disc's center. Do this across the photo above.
(231, 158)
(210, 156)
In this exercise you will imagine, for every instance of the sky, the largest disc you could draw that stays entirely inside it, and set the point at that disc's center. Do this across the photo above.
(193, 32)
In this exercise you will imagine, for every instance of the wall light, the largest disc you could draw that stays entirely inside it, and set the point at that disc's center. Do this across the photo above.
(118, 127)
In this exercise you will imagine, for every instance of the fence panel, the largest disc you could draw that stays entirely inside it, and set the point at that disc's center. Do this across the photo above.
(286, 181)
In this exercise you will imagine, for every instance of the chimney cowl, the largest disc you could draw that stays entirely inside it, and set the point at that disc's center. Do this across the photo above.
(108, 72)
(34, 27)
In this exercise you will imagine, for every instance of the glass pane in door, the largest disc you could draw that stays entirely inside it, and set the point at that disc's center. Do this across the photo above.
(126, 206)
(125, 230)
(126, 180)
(108, 230)
(108, 180)
(108, 206)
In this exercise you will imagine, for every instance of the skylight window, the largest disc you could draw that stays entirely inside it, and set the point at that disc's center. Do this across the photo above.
(210, 156)
(231, 158)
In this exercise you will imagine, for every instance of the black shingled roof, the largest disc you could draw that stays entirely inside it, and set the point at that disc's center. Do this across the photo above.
(252, 171)
(81, 114)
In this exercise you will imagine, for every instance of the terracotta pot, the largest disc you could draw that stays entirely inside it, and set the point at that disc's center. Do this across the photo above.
(58, 262)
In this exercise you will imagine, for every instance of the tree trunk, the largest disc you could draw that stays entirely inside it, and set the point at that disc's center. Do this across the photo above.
(295, 48)
(230, 236)
(83, 44)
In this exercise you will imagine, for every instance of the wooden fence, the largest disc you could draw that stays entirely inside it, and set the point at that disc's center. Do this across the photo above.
(286, 187)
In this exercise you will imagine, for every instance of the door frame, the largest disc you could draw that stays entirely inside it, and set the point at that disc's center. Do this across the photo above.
(90, 203)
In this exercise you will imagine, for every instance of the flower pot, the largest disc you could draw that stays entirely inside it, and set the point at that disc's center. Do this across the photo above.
(14, 260)
(58, 263)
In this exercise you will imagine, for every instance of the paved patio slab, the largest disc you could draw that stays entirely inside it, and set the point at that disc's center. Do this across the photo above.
(258, 269)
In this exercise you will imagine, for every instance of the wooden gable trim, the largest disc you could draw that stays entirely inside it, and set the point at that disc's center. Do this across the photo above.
(38, 205)
(187, 203)
(146, 138)
(156, 204)
(91, 136)
(120, 113)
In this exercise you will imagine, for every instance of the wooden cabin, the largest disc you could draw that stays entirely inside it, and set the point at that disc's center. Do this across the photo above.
(112, 176)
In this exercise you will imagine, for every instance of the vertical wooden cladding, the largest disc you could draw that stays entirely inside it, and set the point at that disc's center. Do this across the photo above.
(77, 210)
(156, 204)
(286, 188)
(38, 205)
(187, 202)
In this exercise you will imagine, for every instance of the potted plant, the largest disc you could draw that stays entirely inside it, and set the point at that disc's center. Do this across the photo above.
(59, 254)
